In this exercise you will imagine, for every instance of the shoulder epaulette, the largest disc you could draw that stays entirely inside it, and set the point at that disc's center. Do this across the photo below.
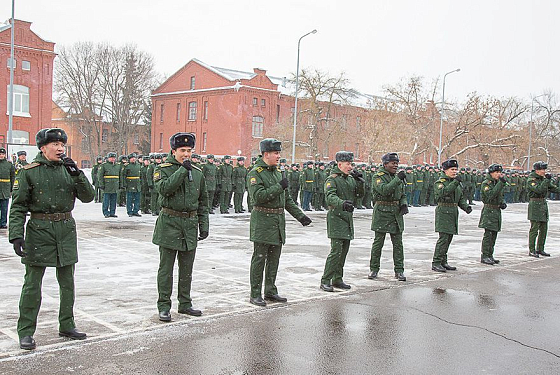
(260, 169)
(380, 173)
(441, 179)
(32, 165)
(165, 165)
(195, 167)
(333, 175)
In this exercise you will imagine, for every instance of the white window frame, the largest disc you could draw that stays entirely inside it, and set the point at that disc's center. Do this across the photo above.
(20, 100)
(25, 65)
(257, 127)
(192, 111)
(8, 63)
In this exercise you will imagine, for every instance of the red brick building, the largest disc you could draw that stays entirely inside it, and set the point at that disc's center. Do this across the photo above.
(33, 81)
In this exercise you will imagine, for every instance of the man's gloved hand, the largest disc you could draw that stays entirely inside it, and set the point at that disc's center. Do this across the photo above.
(458, 178)
(348, 206)
(19, 246)
(284, 183)
(202, 235)
(548, 175)
(503, 206)
(402, 175)
(403, 210)
(70, 166)
(468, 210)
(187, 165)
(357, 175)
(305, 221)
(503, 179)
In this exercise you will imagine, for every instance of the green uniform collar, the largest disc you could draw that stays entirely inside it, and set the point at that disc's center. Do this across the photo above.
(41, 159)
(260, 163)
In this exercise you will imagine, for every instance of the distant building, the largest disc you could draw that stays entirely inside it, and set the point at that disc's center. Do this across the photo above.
(33, 82)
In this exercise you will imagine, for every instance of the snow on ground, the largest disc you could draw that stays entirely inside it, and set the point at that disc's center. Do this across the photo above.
(116, 290)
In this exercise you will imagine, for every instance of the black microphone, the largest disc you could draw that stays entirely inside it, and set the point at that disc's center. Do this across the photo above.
(70, 167)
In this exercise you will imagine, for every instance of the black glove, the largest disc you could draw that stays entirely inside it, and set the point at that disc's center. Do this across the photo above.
(458, 178)
(402, 175)
(357, 175)
(187, 165)
(503, 206)
(468, 210)
(19, 246)
(202, 235)
(70, 166)
(503, 179)
(284, 183)
(548, 175)
(348, 206)
(403, 209)
(305, 221)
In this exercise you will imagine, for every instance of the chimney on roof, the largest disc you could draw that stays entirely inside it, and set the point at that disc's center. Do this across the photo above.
(259, 71)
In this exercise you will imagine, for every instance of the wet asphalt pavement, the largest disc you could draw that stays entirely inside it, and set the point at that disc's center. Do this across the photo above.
(501, 320)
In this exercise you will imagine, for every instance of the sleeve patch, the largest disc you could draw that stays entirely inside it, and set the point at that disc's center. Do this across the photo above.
(260, 169)
(328, 185)
(16, 185)
(157, 175)
(440, 186)
(253, 181)
(533, 183)
(486, 188)
(378, 181)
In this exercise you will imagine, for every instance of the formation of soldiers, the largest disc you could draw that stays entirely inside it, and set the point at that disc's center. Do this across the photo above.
(182, 192)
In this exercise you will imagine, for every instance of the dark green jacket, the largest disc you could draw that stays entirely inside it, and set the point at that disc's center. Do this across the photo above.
(144, 177)
(94, 171)
(210, 171)
(307, 177)
(340, 187)
(46, 187)
(131, 177)
(449, 195)
(177, 193)
(108, 176)
(389, 195)
(538, 188)
(225, 177)
(239, 177)
(266, 192)
(492, 192)
(7, 177)
(293, 179)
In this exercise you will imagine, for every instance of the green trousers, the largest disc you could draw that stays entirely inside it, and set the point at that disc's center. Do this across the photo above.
(488, 242)
(165, 278)
(224, 201)
(249, 203)
(538, 229)
(238, 200)
(334, 266)
(154, 204)
(398, 251)
(145, 200)
(210, 200)
(30, 300)
(265, 258)
(442, 246)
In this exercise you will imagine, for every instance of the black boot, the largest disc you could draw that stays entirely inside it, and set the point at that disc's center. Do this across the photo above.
(372, 275)
(496, 261)
(400, 276)
(438, 268)
(275, 298)
(27, 343)
(533, 254)
(341, 285)
(448, 267)
(73, 334)
(327, 287)
(487, 260)
(165, 316)
(190, 311)
(258, 301)
(542, 252)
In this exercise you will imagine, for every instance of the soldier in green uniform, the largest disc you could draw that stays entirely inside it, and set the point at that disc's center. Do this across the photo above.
(145, 194)
(388, 211)
(121, 193)
(132, 185)
(539, 184)
(271, 198)
(342, 187)
(449, 195)
(368, 192)
(154, 201)
(108, 176)
(195, 160)
(239, 176)
(182, 222)
(319, 194)
(307, 185)
(94, 170)
(293, 179)
(410, 182)
(492, 191)
(210, 172)
(47, 188)
(7, 176)
(21, 160)
(225, 173)
(418, 185)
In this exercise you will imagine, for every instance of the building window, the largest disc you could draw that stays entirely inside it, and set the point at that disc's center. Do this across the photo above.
(278, 113)
(178, 112)
(258, 122)
(357, 154)
(161, 141)
(255, 102)
(263, 102)
(206, 110)
(85, 144)
(204, 138)
(20, 100)
(104, 135)
(161, 113)
(192, 83)
(358, 123)
(86, 164)
(192, 111)
(8, 64)
(344, 121)
(136, 139)
(25, 65)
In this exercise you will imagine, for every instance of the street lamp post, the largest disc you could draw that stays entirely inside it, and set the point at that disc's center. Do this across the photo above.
(531, 130)
(441, 116)
(12, 67)
(295, 105)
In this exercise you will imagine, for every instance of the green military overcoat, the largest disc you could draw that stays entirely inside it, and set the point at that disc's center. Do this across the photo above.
(492, 193)
(538, 188)
(7, 177)
(449, 195)
(387, 188)
(108, 176)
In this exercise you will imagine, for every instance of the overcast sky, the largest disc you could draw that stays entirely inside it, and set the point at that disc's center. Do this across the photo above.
(503, 48)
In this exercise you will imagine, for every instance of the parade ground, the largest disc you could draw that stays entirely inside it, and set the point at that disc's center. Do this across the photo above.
(478, 319)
